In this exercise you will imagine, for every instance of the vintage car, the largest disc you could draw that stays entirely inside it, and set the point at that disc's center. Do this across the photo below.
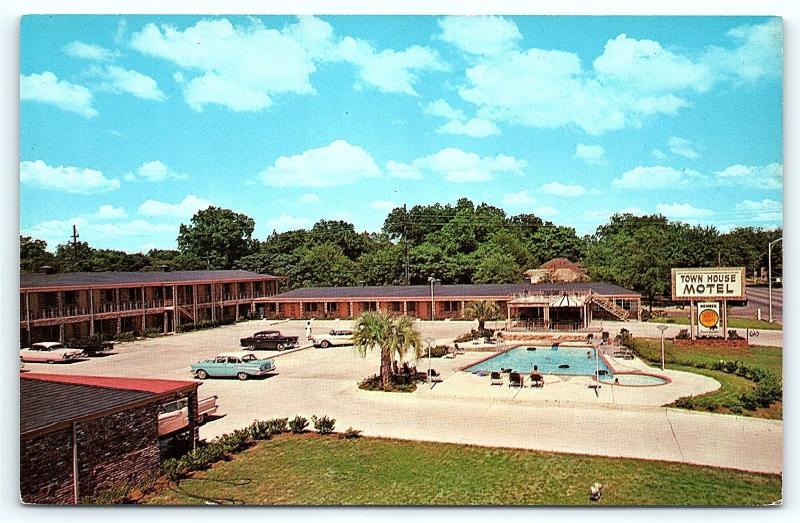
(49, 352)
(174, 416)
(91, 346)
(334, 337)
(242, 365)
(269, 340)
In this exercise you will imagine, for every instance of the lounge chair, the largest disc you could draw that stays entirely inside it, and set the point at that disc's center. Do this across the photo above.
(458, 350)
(497, 378)
(450, 354)
(515, 379)
(537, 380)
(624, 353)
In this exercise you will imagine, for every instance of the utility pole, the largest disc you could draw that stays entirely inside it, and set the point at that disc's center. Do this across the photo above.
(769, 272)
(405, 240)
(75, 237)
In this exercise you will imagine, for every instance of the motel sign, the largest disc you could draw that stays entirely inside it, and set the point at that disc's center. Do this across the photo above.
(704, 288)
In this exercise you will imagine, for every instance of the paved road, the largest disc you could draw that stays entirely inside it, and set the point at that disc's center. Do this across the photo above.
(317, 381)
(758, 298)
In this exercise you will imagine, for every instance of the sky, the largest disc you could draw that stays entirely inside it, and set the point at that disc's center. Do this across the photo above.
(130, 124)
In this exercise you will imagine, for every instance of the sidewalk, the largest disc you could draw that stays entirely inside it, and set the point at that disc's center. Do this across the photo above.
(769, 338)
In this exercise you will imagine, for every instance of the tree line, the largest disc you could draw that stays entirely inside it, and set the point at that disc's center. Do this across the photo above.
(461, 243)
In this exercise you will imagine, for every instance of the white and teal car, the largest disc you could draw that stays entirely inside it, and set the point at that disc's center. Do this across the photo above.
(242, 365)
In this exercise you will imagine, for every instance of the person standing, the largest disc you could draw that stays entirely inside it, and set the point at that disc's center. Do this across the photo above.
(308, 330)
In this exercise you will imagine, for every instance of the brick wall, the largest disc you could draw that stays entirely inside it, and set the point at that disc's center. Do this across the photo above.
(46, 468)
(113, 450)
(117, 449)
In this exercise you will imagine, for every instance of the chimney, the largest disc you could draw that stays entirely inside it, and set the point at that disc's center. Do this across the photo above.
(47, 269)
(164, 268)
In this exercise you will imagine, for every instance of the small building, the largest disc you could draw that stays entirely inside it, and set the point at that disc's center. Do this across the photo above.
(80, 435)
(523, 304)
(557, 270)
(63, 306)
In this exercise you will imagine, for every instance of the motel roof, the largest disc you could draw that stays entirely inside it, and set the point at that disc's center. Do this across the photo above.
(87, 280)
(49, 401)
(476, 291)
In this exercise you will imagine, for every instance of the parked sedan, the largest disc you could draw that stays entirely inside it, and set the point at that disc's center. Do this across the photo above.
(242, 365)
(91, 346)
(334, 337)
(174, 416)
(269, 340)
(49, 352)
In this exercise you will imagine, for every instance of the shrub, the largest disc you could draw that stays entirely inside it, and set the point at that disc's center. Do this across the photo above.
(374, 383)
(298, 425)
(474, 335)
(126, 336)
(683, 335)
(174, 468)
(323, 425)
(278, 425)
(733, 335)
(646, 316)
(438, 351)
(350, 433)
(686, 402)
(152, 332)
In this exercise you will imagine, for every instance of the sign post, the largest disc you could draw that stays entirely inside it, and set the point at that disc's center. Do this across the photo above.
(708, 290)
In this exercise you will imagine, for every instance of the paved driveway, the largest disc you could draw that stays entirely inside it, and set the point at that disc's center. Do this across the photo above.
(322, 381)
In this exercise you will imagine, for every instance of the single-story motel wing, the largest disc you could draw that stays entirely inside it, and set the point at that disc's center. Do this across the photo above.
(59, 307)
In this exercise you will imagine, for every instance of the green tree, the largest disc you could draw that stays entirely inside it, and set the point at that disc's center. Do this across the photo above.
(33, 254)
(322, 265)
(382, 266)
(74, 257)
(483, 311)
(218, 236)
(392, 336)
(498, 267)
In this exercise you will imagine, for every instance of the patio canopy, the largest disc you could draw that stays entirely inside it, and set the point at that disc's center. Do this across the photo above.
(568, 301)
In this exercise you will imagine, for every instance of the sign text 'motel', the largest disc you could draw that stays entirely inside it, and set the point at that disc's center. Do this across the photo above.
(723, 283)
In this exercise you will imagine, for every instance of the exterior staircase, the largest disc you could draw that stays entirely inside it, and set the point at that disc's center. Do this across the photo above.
(610, 306)
(185, 311)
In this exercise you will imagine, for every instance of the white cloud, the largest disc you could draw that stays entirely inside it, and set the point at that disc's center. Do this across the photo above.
(682, 210)
(459, 124)
(759, 52)
(183, 209)
(767, 177)
(244, 67)
(338, 163)
(630, 81)
(119, 79)
(455, 165)
(766, 210)
(480, 35)
(521, 198)
(560, 189)
(89, 51)
(475, 127)
(155, 171)
(67, 179)
(682, 147)
(383, 205)
(659, 154)
(655, 177)
(97, 234)
(47, 88)
(178, 77)
(309, 198)
(109, 212)
(285, 222)
(592, 154)
(388, 70)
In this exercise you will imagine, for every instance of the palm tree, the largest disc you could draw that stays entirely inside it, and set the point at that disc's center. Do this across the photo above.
(391, 336)
(481, 310)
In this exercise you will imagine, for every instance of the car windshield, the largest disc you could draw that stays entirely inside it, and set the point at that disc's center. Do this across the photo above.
(45, 347)
(248, 357)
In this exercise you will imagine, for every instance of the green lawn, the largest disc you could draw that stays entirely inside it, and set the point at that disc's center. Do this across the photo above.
(681, 357)
(733, 323)
(319, 470)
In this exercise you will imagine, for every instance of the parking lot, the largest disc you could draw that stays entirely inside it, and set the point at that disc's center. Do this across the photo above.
(567, 417)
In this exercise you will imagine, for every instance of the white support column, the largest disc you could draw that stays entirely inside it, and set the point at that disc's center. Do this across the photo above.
(462, 308)
(28, 315)
(91, 312)
(194, 303)
(351, 309)
(405, 308)
(213, 306)
(176, 313)
(144, 309)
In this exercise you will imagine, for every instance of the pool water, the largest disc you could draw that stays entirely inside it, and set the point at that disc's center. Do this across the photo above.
(550, 360)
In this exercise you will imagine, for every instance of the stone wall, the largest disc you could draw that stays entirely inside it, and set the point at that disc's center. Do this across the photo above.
(46, 468)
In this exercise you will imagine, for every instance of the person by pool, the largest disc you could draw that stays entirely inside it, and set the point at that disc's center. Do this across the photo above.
(536, 376)
(589, 354)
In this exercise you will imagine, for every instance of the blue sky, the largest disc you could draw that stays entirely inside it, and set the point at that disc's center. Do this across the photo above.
(130, 124)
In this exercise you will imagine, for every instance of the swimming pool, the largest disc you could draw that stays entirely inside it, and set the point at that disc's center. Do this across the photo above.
(550, 360)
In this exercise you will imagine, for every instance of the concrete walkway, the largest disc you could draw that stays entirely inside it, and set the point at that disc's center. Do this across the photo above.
(323, 382)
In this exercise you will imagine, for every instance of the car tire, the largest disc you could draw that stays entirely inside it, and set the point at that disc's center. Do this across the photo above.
(50, 362)
(201, 374)
(281, 346)
(242, 376)
(324, 344)
(201, 419)
(250, 347)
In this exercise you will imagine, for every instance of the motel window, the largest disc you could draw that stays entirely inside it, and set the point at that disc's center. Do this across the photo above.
(332, 307)
(450, 306)
(310, 307)
(412, 306)
(396, 306)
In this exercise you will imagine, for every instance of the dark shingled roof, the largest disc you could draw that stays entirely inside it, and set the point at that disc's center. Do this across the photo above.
(501, 290)
(95, 279)
(46, 401)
